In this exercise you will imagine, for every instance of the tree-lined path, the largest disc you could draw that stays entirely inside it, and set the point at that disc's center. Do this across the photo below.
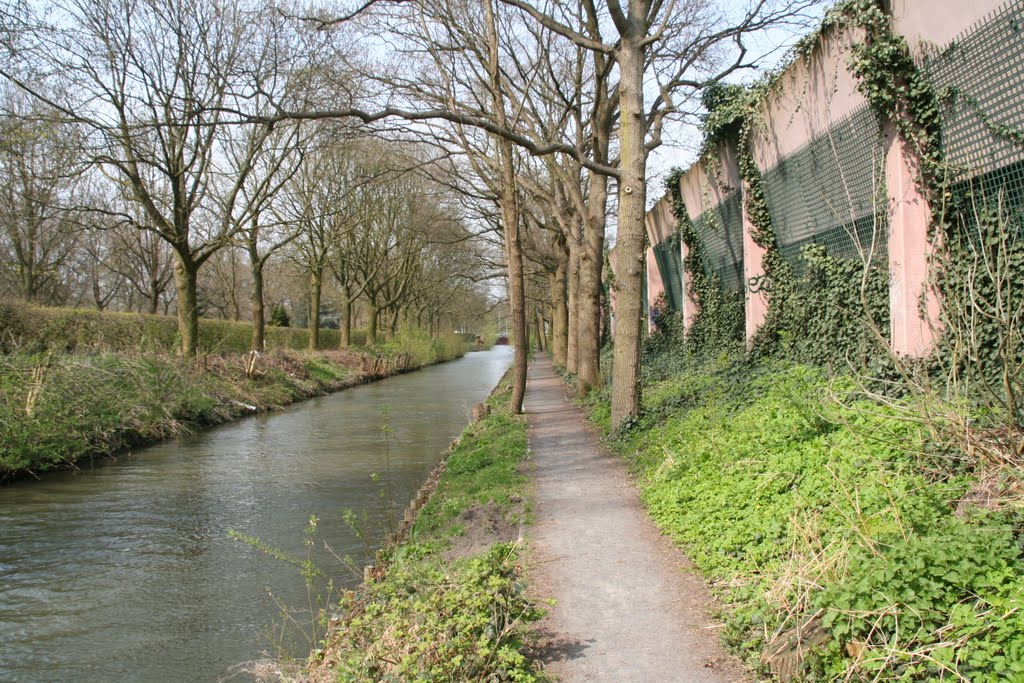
(627, 607)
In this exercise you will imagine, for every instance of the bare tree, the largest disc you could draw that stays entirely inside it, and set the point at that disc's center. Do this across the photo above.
(682, 46)
(38, 180)
(149, 82)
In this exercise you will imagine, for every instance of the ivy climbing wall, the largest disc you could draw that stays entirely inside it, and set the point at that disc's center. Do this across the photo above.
(711, 193)
(666, 253)
(821, 155)
(838, 157)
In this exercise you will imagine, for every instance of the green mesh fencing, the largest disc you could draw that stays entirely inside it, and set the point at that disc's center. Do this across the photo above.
(670, 265)
(720, 231)
(980, 76)
(830, 192)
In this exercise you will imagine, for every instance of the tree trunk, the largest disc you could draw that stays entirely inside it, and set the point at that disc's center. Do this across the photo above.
(516, 286)
(345, 321)
(560, 311)
(188, 310)
(97, 294)
(588, 346)
(394, 322)
(508, 198)
(154, 296)
(539, 320)
(573, 323)
(236, 308)
(371, 324)
(316, 284)
(259, 323)
(630, 237)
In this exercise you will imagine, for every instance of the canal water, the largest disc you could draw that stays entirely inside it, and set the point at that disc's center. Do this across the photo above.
(127, 573)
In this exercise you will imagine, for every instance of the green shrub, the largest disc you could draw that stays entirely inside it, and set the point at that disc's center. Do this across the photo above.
(35, 329)
(420, 348)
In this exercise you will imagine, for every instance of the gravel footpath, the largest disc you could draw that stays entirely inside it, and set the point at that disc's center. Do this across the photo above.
(629, 607)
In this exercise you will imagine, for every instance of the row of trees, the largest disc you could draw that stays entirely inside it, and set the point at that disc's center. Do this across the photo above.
(121, 175)
(351, 218)
(542, 116)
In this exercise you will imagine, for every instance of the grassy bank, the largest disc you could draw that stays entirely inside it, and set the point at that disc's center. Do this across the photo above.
(848, 538)
(448, 603)
(61, 402)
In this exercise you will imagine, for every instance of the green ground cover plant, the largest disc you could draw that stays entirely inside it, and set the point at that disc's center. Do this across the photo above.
(437, 608)
(840, 537)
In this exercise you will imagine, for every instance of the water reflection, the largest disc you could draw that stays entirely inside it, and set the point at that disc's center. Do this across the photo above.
(126, 573)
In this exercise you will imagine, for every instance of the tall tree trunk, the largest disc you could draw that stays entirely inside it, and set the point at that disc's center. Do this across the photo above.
(188, 309)
(259, 323)
(345, 321)
(371, 323)
(154, 296)
(573, 324)
(630, 237)
(516, 286)
(394, 321)
(236, 308)
(508, 198)
(154, 280)
(560, 310)
(97, 294)
(316, 285)
(588, 359)
(539, 323)
(592, 253)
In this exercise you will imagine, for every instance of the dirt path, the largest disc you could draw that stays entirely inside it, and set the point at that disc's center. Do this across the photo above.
(628, 609)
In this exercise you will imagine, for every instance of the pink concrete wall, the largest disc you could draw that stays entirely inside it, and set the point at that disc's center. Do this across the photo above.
(704, 189)
(660, 221)
(655, 286)
(690, 307)
(931, 24)
(754, 293)
(808, 99)
(911, 333)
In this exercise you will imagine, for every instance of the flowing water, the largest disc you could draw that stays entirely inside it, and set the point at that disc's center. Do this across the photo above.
(126, 572)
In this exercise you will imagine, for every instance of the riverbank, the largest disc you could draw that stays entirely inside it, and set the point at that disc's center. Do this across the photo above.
(448, 601)
(849, 533)
(67, 402)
